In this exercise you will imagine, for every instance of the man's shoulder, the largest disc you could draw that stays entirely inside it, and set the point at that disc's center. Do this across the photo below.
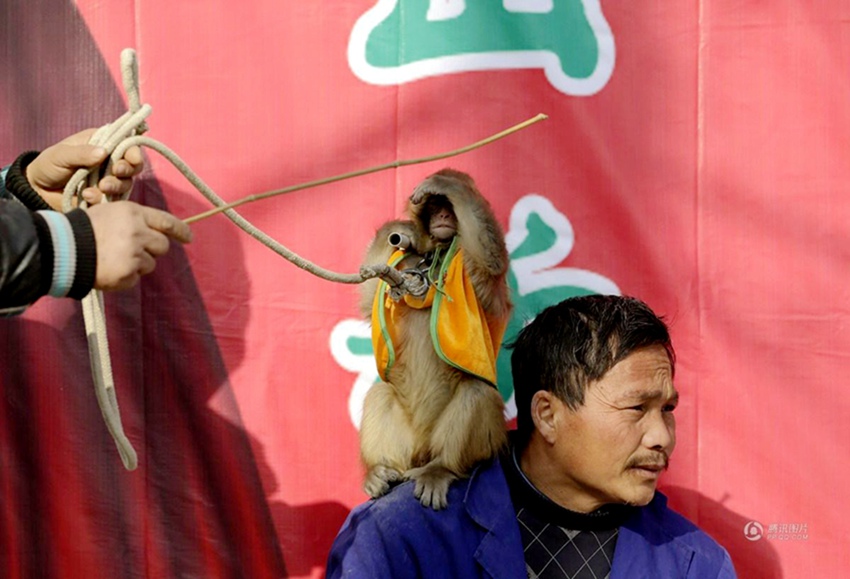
(396, 536)
(676, 524)
(469, 499)
(659, 519)
(401, 512)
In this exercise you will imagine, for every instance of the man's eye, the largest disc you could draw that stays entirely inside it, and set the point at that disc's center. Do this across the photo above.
(669, 408)
(637, 408)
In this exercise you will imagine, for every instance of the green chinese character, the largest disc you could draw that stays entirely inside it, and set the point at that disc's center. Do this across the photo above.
(399, 41)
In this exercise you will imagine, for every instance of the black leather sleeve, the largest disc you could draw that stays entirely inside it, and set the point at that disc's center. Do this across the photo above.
(26, 243)
(24, 275)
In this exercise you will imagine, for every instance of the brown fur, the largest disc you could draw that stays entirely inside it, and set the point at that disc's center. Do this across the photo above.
(430, 422)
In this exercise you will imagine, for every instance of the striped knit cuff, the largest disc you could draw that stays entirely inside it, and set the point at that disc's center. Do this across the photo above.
(18, 185)
(45, 250)
(64, 253)
(86, 254)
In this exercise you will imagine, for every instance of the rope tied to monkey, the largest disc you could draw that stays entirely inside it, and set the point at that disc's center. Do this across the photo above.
(126, 132)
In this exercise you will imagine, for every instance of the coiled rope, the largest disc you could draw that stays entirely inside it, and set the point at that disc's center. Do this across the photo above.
(127, 131)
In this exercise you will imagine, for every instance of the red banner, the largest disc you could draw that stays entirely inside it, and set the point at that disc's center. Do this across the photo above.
(695, 156)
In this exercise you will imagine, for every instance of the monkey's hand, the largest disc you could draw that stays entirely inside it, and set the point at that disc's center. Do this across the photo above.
(379, 479)
(419, 195)
(415, 283)
(396, 293)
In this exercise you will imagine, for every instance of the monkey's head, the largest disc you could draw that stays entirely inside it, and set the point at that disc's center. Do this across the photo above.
(431, 203)
(439, 218)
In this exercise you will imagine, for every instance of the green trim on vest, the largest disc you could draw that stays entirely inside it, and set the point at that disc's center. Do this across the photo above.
(383, 287)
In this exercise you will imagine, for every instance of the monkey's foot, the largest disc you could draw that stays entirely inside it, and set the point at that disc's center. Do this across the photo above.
(432, 485)
(379, 479)
(415, 283)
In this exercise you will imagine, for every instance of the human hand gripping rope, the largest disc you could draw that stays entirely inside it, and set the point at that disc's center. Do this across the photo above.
(127, 131)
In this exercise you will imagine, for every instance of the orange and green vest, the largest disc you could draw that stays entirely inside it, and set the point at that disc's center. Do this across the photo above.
(462, 335)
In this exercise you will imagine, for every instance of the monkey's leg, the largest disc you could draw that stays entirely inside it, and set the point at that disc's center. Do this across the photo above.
(470, 429)
(386, 439)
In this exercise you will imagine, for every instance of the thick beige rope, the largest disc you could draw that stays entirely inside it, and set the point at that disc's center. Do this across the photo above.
(125, 132)
(109, 136)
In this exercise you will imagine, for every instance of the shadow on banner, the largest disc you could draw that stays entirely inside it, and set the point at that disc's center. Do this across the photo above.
(196, 506)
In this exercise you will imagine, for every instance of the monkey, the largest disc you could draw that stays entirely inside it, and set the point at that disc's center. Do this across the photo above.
(436, 412)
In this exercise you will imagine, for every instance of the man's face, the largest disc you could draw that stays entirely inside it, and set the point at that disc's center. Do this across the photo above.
(443, 224)
(614, 447)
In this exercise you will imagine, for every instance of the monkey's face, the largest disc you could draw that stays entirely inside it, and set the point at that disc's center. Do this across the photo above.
(442, 225)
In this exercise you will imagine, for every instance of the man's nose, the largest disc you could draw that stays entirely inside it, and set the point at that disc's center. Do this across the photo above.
(660, 431)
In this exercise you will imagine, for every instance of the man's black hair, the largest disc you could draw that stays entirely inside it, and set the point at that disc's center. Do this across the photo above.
(575, 342)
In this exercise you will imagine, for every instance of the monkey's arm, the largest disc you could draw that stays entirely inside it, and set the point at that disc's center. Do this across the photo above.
(480, 233)
(481, 237)
(485, 253)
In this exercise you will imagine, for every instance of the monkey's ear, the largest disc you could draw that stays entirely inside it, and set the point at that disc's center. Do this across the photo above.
(545, 407)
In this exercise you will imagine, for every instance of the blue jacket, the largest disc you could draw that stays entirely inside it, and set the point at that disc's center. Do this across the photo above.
(477, 536)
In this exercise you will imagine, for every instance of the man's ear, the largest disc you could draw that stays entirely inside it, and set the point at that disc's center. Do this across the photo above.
(545, 407)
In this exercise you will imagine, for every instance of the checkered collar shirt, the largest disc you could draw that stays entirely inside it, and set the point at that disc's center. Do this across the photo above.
(559, 543)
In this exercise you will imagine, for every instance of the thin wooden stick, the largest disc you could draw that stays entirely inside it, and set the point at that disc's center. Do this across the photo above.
(393, 165)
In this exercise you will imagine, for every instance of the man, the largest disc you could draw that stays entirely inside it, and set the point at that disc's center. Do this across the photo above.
(108, 247)
(575, 494)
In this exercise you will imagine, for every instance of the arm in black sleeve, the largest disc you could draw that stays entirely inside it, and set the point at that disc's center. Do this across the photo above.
(41, 252)
(26, 256)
